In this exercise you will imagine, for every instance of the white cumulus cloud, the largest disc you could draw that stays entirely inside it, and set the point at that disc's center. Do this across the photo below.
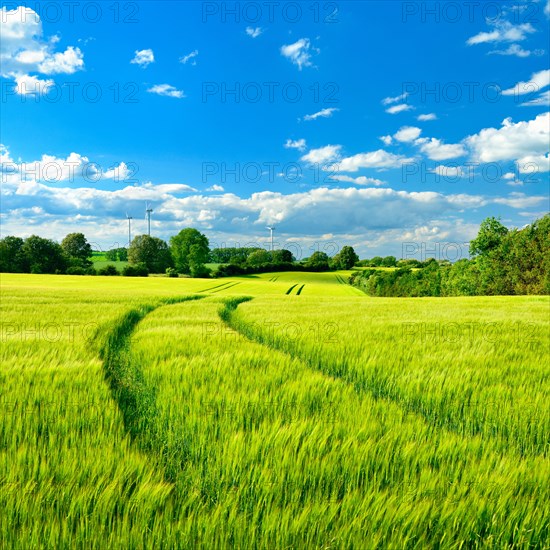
(360, 180)
(512, 140)
(190, 57)
(426, 117)
(537, 82)
(299, 144)
(24, 50)
(143, 58)
(399, 109)
(373, 159)
(503, 31)
(396, 99)
(407, 134)
(533, 164)
(30, 85)
(448, 171)
(67, 62)
(118, 173)
(254, 32)
(323, 113)
(435, 149)
(299, 53)
(325, 154)
(166, 90)
(516, 50)
(542, 99)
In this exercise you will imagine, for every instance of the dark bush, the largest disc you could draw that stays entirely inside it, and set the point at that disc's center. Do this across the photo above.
(200, 271)
(135, 270)
(109, 270)
(76, 270)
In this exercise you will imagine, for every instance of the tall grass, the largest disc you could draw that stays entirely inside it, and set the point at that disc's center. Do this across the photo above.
(470, 365)
(289, 456)
(159, 425)
(69, 474)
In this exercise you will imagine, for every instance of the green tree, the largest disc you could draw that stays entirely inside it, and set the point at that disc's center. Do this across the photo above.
(197, 268)
(528, 257)
(190, 251)
(122, 254)
(388, 261)
(282, 256)
(506, 262)
(259, 257)
(346, 258)
(230, 255)
(77, 249)
(490, 235)
(460, 279)
(117, 254)
(318, 261)
(151, 251)
(44, 255)
(12, 257)
(112, 255)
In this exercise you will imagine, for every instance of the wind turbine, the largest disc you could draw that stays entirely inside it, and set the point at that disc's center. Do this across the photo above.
(271, 229)
(129, 218)
(148, 211)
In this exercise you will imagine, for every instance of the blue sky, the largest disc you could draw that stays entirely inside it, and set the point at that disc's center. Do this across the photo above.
(366, 123)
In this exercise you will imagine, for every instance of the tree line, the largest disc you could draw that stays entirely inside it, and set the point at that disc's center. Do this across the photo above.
(503, 262)
(186, 253)
(241, 261)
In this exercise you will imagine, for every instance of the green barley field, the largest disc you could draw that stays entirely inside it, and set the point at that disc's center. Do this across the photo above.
(275, 411)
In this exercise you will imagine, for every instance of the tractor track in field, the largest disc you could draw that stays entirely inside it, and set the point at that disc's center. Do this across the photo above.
(378, 389)
(213, 287)
(226, 287)
(298, 292)
(135, 399)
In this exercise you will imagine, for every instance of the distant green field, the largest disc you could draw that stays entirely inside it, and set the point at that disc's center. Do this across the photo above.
(100, 261)
(98, 264)
(282, 410)
(98, 257)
